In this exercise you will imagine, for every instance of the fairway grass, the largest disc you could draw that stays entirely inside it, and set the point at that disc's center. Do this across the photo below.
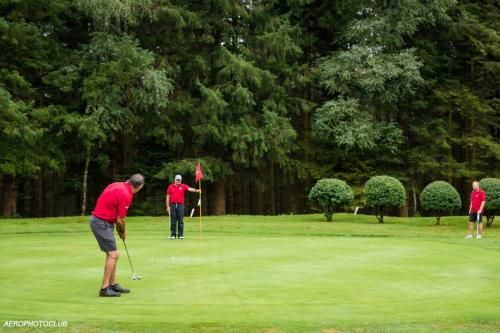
(256, 274)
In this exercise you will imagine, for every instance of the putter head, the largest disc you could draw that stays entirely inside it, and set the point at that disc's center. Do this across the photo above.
(136, 277)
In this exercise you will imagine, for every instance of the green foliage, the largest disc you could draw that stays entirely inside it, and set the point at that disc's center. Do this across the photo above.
(154, 91)
(120, 81)
(114, 15)
(86, 128)
(491, 186)
(439, 197)
(343, 123)
(230, 92)
(381, 192)
(330, 194)
(286, 90)
(364, 77)
(383, 77)
(388, 23)
(211, 168)
(19, 134)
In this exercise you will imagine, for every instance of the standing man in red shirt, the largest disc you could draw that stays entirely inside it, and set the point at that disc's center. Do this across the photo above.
(110, 210)
(175, 206)
(477, 202)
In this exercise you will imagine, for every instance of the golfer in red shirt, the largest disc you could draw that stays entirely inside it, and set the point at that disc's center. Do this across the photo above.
(175, 206)
(477, 202)
(110, 210)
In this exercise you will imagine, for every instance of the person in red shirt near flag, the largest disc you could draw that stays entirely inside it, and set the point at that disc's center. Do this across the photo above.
(477, 202)
(175, 206)
(110, 211)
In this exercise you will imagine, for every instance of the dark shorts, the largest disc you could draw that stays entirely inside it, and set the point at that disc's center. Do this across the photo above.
(473, 217)
(103, 232)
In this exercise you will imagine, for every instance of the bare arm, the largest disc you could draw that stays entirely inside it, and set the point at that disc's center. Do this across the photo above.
(482, 206)
(167, 204)
(120, 226)
(194, 190)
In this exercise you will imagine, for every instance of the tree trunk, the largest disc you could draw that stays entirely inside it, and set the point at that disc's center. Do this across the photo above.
(9, 196)
(329, 215)
(272, 190)
(290, 199)
(403, 211)
(449, 130)
(84, 183)
(220, 199)
(39, 195)
(258, 199)
(246, 198)
(49, 203)
(281, 202)
(380, 215)
(414, 192)
(238, 207)
(489, 220)
(230, 195)
(112, 171)
(128, 152)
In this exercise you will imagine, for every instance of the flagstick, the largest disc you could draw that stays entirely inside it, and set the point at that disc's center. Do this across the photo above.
(200, 208)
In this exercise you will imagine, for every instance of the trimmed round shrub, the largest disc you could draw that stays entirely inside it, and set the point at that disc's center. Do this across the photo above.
(330, 194)
(491, 186)
(381, 192)
(439, 197)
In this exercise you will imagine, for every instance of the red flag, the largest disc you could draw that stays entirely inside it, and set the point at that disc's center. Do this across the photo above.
(199, 174)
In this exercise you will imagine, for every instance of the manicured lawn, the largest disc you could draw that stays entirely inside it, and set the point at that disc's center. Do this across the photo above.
(257, 274)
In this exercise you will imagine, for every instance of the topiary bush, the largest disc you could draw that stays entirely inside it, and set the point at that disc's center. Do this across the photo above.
(439, 197)
(330, 194)
(381, 192)
(491, 186)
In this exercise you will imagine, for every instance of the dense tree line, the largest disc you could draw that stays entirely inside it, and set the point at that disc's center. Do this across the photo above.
(268, 95)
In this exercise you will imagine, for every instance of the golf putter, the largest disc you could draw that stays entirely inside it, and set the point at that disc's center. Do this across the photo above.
(477, 224)
(134, 276)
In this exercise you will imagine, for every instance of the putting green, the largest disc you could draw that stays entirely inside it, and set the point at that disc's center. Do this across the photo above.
(257, 274)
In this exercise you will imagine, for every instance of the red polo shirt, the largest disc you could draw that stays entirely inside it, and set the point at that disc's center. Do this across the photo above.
(114, 202)
(176, 193)
(476, 198)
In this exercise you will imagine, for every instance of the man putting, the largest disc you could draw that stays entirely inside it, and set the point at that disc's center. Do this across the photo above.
(175, 206)
(477, 202)
(110, 210)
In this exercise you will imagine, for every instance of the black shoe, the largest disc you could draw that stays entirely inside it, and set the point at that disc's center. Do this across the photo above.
(119, 289)
(171, 237)
(108, 292)
(181, 237)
